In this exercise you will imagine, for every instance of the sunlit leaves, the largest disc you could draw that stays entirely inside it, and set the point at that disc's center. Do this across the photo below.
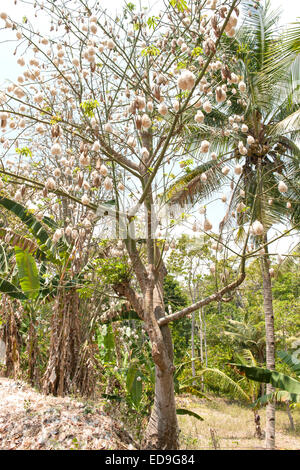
(150, 50)
(24, 152)
(181, 5)
(152, 21)
(89, 107)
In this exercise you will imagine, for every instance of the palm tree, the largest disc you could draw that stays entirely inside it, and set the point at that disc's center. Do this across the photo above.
(267, 188)
(244, 335)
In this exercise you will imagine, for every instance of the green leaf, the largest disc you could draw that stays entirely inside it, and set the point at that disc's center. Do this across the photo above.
(124, 316)
(277, 379)
(24, 152)
(280, 395)
(130, 6)
(291, 361)
(150, 50)
(112, 397)
(181, 5)
(14, 239)
(27, 218)
(133, 385)
(10, 289)
(152, 21)
(28, 273)
(89, 107)
(36, 228)
(193, 391)
(183, 411)
(109, 344)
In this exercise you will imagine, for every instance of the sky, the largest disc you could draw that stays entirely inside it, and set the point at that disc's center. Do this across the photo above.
(10, 70)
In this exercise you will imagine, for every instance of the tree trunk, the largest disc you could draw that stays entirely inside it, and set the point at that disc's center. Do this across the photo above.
(162, 431)
(205, 339)
(258, 431)
(193, 346)
(32, 352)
(292, 424)
(201, 347)
(12, 340)
(270, 349)
(64, 346)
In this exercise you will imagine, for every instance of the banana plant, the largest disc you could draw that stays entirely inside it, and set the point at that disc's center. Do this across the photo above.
(28, 273)
(32, 287)
(288, 387)
(44, 248)
(248, 392)
(27, 251)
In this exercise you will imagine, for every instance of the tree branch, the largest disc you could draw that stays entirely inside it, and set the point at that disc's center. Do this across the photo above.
(217, 296)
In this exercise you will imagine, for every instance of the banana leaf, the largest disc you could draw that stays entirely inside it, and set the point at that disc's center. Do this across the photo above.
(280, 395)
(36, 228)
(291, 361)
(277, 379)
(10, 289)
(28, 219)
(134, 384)
(183, 411)
(28, 273)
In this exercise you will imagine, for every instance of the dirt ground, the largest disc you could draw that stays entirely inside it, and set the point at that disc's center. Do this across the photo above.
(233, 426)
(30, 420)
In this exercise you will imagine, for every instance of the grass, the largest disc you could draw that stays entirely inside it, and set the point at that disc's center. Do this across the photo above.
(233, 424)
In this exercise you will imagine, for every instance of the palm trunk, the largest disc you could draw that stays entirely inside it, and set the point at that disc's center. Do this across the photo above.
(270, 349)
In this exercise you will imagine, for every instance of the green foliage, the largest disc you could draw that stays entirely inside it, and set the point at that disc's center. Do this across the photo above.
(181, 5)
(35, 227)
(130, 6)
(152, 21)
(181, 65)
(292, 362)
(134, 383)
(134, 377)
(197, 51)
(183, 411)
(106, 344)
(150, 50)
(10, 289)
(28, 273)
(277, 379)
(177, 299)
(225, 381)
(89, 107)
(24, 152)
(113, 270)
(124, 315)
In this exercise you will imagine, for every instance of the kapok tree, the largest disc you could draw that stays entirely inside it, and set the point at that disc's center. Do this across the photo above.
(115, 104)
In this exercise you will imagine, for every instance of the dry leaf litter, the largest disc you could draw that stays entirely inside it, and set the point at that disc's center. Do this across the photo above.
(30, 420)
